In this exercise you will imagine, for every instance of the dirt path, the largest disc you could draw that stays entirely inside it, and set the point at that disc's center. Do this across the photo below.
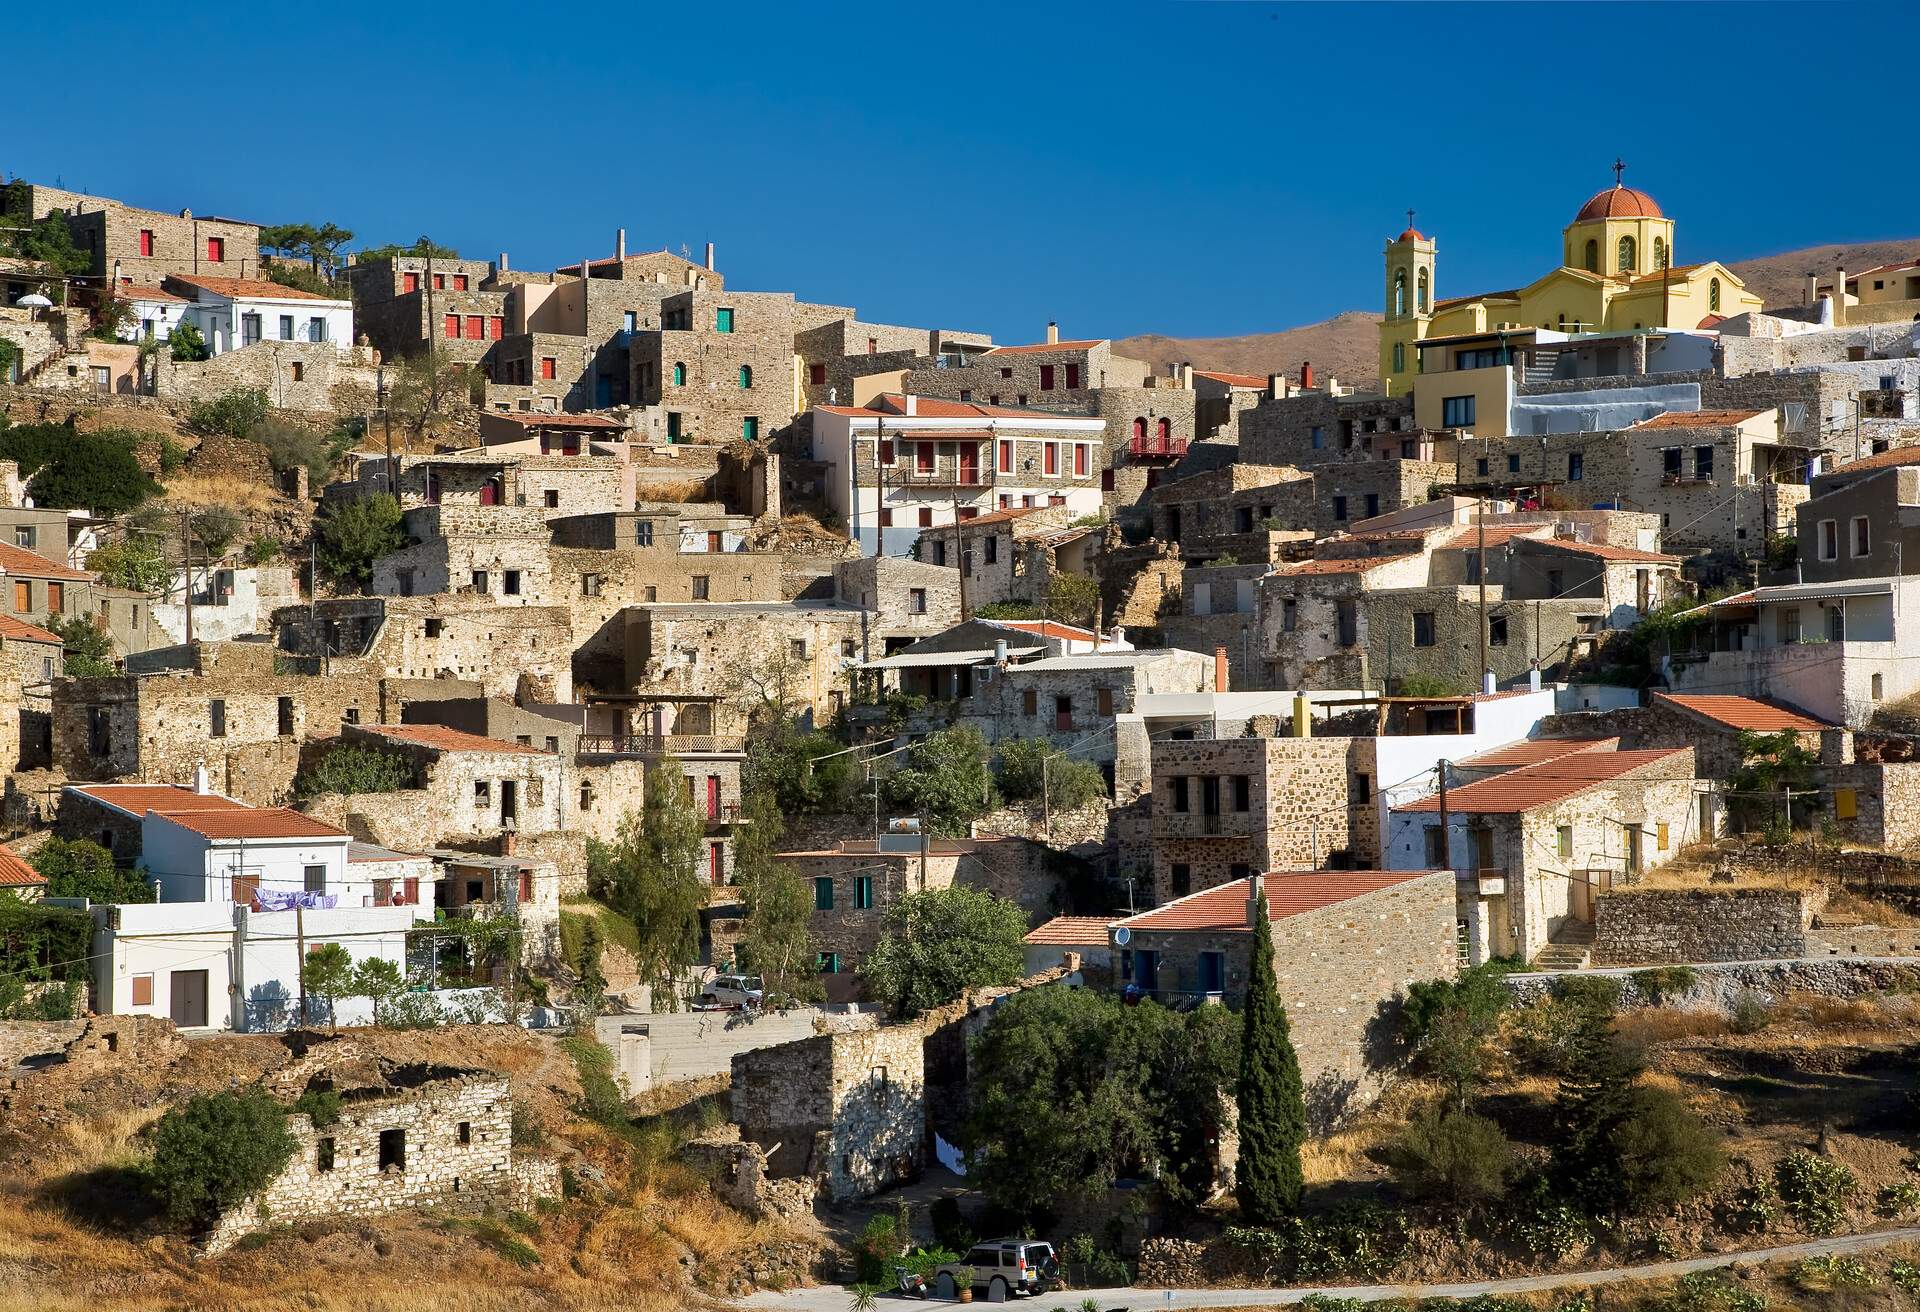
(834, 1298)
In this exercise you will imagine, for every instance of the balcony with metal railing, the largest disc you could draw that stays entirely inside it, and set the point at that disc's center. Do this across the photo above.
(1156, 448)
(669, 744)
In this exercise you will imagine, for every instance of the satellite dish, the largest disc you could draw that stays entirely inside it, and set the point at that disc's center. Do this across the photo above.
(1122, 936)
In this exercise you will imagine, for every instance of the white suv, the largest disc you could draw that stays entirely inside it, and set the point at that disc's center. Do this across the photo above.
(1003, 1268)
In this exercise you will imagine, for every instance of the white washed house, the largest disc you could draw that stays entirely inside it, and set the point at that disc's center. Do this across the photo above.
(232, 313)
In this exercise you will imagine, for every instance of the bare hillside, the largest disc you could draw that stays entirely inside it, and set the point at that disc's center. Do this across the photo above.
(1346, 345)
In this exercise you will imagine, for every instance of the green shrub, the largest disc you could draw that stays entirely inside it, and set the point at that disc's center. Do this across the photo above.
(186, 344)
(292, 445)
(944, 781)
(322, 1106)
(1901, 1199)
(1830, 1272)
(1665, 1154)
(214, 1150)
(82, 868)
(876, 1250)
(1750, 1013)
(1751, 1209)
(1034, 769)
(1814, 1190)
(353, 534)
(1453, 1155)
(135, 563)
(233, 414)
(263, 551)
(1542, 1223)
(1664, 982)
(351, 768)
(950, 1228)
(1709, 1291)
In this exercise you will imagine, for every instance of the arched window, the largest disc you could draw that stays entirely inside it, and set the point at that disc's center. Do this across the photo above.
(1139, 430)
(1628, 254)
(1426, 289)
(679, 374)
(1713, 296)
(1164, 429)
(746, 375)
(1659, 253)
(1399, 357)
(1399, 292)
(1592, 262)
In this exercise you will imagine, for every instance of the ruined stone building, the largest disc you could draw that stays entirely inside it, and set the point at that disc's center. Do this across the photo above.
(1013, 555)
(848, 1109)
(139, 247)
(31, 659)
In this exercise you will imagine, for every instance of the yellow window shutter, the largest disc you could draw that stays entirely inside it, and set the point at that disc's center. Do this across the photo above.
(1845, 804)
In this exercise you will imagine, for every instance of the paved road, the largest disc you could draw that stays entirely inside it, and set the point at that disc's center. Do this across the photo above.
(833, 1298)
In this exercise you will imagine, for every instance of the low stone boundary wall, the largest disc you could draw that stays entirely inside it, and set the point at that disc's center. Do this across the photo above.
(1718, 986)
(1662, 927)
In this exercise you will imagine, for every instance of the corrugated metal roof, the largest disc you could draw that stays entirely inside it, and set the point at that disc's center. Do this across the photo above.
(940, 659)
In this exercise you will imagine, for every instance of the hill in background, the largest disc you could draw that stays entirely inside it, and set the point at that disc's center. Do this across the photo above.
(1347, 344)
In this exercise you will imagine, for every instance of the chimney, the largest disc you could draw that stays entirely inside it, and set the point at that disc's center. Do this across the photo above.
(200, 784)
(1053, 333)
(619, 243)
(1000, 652)
(1219, 669)
(1256, 885)
(503, 261)
(1813, 289)
(1840, 297)
(1306, 375)
(1488, 685)
(1533, 679)
(1302, 716)
(709, 257)
(1276, 386)
(912, 403)
(1186, 376)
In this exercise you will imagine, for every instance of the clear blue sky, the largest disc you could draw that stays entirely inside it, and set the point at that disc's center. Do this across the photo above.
(1198, 169)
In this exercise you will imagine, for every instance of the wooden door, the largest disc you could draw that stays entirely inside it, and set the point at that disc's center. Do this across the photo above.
(188, 1003)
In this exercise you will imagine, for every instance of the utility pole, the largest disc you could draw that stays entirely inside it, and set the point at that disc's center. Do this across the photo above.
(300, 948)
(1480, 516)
(1446, 843)
(186, 551)
(960, 537)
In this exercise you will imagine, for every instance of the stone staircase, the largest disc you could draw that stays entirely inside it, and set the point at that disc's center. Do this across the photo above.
(1569, 949)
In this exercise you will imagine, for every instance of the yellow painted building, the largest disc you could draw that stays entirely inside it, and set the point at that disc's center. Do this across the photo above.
(1616, 275)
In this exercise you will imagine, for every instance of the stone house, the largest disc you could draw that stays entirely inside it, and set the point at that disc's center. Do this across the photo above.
(1011, 555)
(1533, 846)
(1831, 643)
(139, 246)
(113, 815)
(859, 881)
(407, 304)
(720, 366)
(1711, 724)
(1347, 944)
(470, 789)
(902, 463)
(418, 1136)
(848, 1108)
(842, 358)
(498, 477)
(453, 636)
(1233, 511)
(1219, 397)
(35, 588)
(228, 602)
(31, 659)
(235, 313)
(1319, 425)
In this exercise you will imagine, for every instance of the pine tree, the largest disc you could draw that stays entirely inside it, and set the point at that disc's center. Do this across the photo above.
(1596, 1097)
(1272, 1102)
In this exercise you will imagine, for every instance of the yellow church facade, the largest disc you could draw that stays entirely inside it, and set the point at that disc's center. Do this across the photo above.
(1617, 275)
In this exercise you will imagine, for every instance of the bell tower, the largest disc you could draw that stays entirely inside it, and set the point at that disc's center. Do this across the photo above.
(1410, 293)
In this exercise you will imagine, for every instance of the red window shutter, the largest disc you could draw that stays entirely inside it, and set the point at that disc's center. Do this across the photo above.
(146, 248)
(476, 327)
(452, 327)
(409, 282)
(1006, 457)
(1053, 458)
(713, 797)
(1080, 459)
(816, 374)
(439, 282)
(526, 885)
(495, 327)
(413, 892)
(1140, 430)
(1106, 480)
(1046, 378)
(549, 367)
(926, 517)
(143, 990)
(459, 282)
(886, 451)
(244, 887)
(1056, 501)
(923, 457)
(717, 862)
(886, 518)
(1073, 376)
(216, 250)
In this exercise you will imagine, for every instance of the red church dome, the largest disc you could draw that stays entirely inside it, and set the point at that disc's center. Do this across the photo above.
(1619, 202)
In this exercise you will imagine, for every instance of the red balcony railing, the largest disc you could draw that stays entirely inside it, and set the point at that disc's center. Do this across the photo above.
(1156, 448)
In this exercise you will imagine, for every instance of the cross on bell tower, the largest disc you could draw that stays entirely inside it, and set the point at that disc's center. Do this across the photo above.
(1619, 167)
(1409, 218)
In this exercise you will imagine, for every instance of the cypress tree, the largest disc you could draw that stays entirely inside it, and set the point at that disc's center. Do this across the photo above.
(1271, 1100)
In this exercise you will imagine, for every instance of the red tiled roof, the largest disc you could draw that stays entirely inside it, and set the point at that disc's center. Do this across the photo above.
(125, 292)
(1072, 931)
(16, 873)
(442, 739)
(554, 421)
(1497, 534)
(1607, 551)
(138, 799)
(1883, 268)
(1289, 893)
(1532, 751)
(1541, 784)
(21, 631)
(1048, 629)
(1346, 565)
(993, 517)
(1755, 713)
(1892, 458)
(1047, 346)
(892, 407)
(1711, 321)
(1619, 202)
(1698, 419)
(1231, 380)
(18, 560)
(246, 822)
(1510, 294)
(248, 289)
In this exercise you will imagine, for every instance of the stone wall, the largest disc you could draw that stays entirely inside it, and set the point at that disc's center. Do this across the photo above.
(447, 1145)
(1720, 986)
(313, 376)
(1654, 926)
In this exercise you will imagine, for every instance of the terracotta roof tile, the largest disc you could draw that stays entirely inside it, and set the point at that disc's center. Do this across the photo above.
(1755, 713)
(1497, 534)
(1619, 202)
(1072, 931)
(1698, 419)
(1048, 629)
(138, 799)
(1892, 458)
(16, 873)
(1231, 380)
(1607, 551)
(1041, 347)
(246, 822)
(1541, 784)
(442, 739)
(21, 631)
(529, 420)
(1532, 751)
(248, 289)
(1346, 565)
(1289, 893)
(158, 295)
(18, 560)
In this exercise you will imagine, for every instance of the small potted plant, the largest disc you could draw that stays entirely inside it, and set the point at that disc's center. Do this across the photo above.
(963, 1283)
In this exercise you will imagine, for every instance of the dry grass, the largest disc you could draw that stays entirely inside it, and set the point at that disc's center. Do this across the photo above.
(239, 493)
(679, 490)
(1867, 910)
(1650, 1025)
(1351, 1152)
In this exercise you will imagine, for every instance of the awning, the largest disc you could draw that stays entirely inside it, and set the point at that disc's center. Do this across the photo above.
(1819, 591)
(942, 659)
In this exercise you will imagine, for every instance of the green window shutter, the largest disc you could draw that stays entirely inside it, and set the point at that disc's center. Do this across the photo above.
(823, 893)
(750, 428)
(723, 321)
(746, 376)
